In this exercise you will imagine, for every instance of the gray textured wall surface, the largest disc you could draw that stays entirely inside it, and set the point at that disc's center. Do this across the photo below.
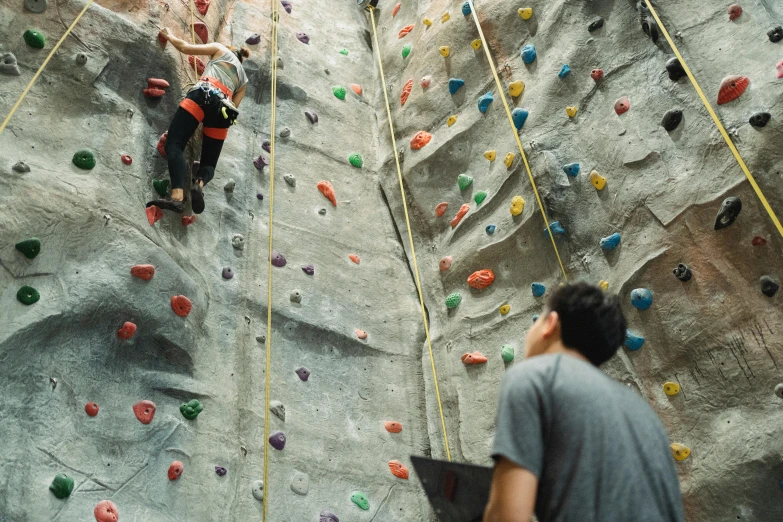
(716, 335)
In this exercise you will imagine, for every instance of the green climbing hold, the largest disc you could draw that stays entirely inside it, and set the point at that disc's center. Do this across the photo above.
(453, 300)
(479, 197)
(464, 181)
(190, 410)
(356, 160)
(161, 186)
(28, 295)
(84, 159)
(406, 50)
(62, 485)
(29, 247)
(360, 499)
(339, 91)
(507, 353)
(344, 52)
(34, 38)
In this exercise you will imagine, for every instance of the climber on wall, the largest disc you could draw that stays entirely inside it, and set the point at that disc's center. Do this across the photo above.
(572, 444)
(213, 101)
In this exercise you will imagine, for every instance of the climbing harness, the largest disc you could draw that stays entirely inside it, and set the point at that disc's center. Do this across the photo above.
(516, 135)
(216, 93)
(410, 234)
(717, 121)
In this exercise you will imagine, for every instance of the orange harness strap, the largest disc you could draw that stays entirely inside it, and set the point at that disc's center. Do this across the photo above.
(215, 83)
(215, 133)
(193, 108)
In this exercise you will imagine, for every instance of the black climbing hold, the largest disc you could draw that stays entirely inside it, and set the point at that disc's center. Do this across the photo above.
(683, 273)
(21, 167)
(671, 120)
(81, 59)
(728, 212)
(29, 247)
(675, 70)
(595, 25)
(775, 34)
(760, 119)
(28, 295)
(649, 26)
(769, 286)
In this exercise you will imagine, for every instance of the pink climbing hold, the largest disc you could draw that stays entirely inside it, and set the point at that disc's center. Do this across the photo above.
(91, 409)
(420, 139)
(734, 11)
(162, 143)
(175, 470)
(144, 411)
(158, 83)
(361, 334)
(406, 91)
(154, 214)
(357, 88)
(201, 31)
(425, 81)
(392, 426)
(328, 191)
(779, 68)
(143, 271)
(474, 358)
(440, 208)
(202, 6)
(445, 263)
(404, 31)
(597, 74)
(460, 214)
(188, 220)
(199, 64)
(181, 305)
(126, 159)
(154, 93)
(396, 10)
(127, 330)
(622, 105)
(354, 258)
(106, 511)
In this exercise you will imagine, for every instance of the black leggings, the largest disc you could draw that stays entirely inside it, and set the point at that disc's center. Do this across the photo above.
(194, 109)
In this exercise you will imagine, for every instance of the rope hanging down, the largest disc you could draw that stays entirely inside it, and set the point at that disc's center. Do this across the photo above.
(410, 236)
(516, 134)
(715, 118)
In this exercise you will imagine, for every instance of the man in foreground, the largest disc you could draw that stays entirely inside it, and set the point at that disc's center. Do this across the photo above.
(572, 444)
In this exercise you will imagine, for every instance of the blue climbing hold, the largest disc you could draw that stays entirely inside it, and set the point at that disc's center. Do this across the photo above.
(455, 84)
(535, 318)
(565, 70)
(538, 289)
(484, 101)
(519, 116)
(490, 229)
(529, 53)
(641, 298)
(572, 169)
(633, 342)
(557, 229)
(466, 8)
(610, 242)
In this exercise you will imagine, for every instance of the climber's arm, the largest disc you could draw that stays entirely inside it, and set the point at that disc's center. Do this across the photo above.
(238, 95)
(192, 49)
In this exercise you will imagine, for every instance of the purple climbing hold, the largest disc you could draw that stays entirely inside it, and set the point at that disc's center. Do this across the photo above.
(313, 117)
(277, 440)
(303, 373)
(302, 37)
(266, 146)
(278, 259)
(325, 516)
(260, 196)
(309, 269)
(286, 5)
(253, 39)
(261, 162)
(220, 470)
(228, 273)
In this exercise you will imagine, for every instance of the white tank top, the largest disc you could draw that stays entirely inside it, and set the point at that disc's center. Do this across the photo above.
(227, 69)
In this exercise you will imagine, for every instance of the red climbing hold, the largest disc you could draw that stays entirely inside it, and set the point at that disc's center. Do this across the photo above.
(126, 159)
(202, 6)
(474, 358)
(440, 208)
(460, 214)
(162, 39)
(153, 83)
(597, 74)
(127, 330)
(162, 143)
(327, 190)
(481, 279)
(361, 334)
(396, 10)
(392, 426)
(144, 411)
(154, 214)
(759, 241)
(188, 220)
(354, 258)
(154, 93)
(622, 105)
(404, 31)
(106, 511)
(91, 409)
(181, 305)
(420, 139)
(199, 64)
(398, 469)
(406, 91)
(175, 470)
(143, 271)
(734, 11)
(201, 31)
(732, 88)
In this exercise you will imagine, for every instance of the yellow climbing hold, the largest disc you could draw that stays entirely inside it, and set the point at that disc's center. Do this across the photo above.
(571, 111)
(509, 160)
(452, 120)
(671, 388)
(505, 309)
(516, 88)
(427, 22)
(517, 205)
(526, 13)
(490, 155)
(476, 44)
(444, 51)
(445, 17)
(680, 451)
(597, 180)
(604, 285)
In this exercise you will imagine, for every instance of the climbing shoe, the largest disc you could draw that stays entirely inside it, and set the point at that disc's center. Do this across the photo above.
(197, 199)
(168, 204)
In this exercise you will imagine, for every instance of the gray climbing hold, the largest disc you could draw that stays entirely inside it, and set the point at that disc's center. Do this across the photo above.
(728, 212)
(286, 132)
(261, 338)
(21, 167)
(300, 483)
(81, 59)
(258, 489)
(8, 65)
(238, 241)
(325, 516)
(266, 145)
(279, 62)
(230, 184)
(36, 6)
(595, 24)
(278, 409)
(683, 273)
(296, 296)
(290, 179)
(322, 211)
(769, 286)
(779, 390)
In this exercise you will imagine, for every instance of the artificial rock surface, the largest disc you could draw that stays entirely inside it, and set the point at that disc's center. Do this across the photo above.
(716, 335)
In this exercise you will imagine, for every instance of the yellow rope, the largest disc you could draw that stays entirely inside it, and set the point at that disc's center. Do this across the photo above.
(722, 130)
(268, 373)
(41, 68)
(516, 135)
(192, 37)
(410, 237)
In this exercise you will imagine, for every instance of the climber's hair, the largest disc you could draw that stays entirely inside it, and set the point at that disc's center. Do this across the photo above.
(241, 53)
(591, 321)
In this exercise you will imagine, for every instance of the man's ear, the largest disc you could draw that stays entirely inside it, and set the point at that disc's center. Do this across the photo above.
(551, 325)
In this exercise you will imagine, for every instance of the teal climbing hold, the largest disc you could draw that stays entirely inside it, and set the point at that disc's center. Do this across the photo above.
(344, 52)
(557, 229)
(641, 298)
(535, 318)
(528, 53)
(62, 485)
(34, 38)
(565, 70)
(633, 342)
(455, 84)
(84, 159)
(406, 50)
(479, 197)
(339, 91)
(464, 181)
(28, 295)
(610, 242)
(356, 160)
(161, 186)
(572, 169)
(453, 300)
(484, 102)
(191, 409)
(360, 499)
(466, 8)
(507, 353)
(538, 289)
(29, 247)
(519, 116)
(490, 229)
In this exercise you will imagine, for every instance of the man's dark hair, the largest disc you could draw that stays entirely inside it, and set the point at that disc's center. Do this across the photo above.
(591, 321)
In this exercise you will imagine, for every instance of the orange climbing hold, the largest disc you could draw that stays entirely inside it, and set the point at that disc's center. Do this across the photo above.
(732, 88)
(357, 88)
(481, 279)
(406, 91)
(154, 214)
(327, 190)
(398, 469)
(396, 10)
(460, 214)
(354, 258)
(188, 220)
(392, 426)
(440, 208)
(420, 139)
(127, 330)
(405, 30)
(474, 358)
(143, 271)
(181, 305)
(199, 64)
(361, 334)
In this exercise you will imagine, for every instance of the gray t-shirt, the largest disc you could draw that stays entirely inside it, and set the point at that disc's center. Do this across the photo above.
(599, 451)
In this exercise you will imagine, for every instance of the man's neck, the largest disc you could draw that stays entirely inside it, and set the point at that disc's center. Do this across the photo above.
(559, 347)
